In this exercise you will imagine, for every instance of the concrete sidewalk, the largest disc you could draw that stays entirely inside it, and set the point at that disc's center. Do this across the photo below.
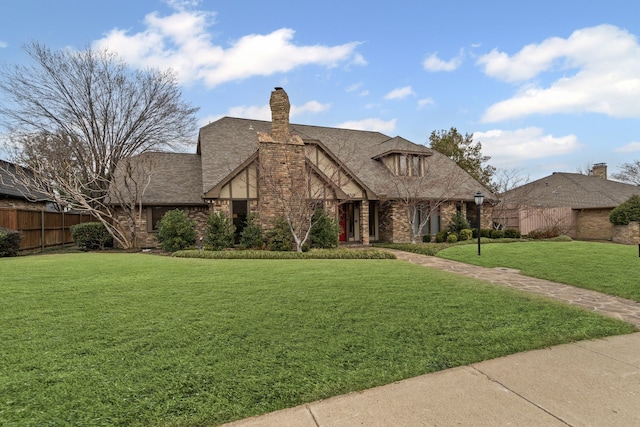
(589, 383)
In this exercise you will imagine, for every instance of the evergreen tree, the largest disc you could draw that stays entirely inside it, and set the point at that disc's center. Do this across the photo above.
(462, 150)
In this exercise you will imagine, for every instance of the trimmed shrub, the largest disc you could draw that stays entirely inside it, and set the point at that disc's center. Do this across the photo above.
(511, 233)
(545, 233)
(562, 238)
(465, 234)
(484, 232)
(90, 236)
(458, 222)
(312, 254)
(441, 237)
(325, 231)
(220, 233)
(426, 238)
(251, 235)
(452, 238)
(9, 242)
(497, 234)
(626, 212)
(279, 237)
(176, 231)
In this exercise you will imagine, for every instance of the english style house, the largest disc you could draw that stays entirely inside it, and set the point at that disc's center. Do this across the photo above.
(367, 180)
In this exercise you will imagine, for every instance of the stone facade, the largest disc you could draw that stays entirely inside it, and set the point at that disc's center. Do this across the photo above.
(627, 234)
(364, 223)
(281, 170)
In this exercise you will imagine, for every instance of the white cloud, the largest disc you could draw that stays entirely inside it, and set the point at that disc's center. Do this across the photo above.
(354, 87)
(606, 60)
(309, 107)
(263, 112)
(379, 125)
(510, 148)
(433, 63)
(251, 112)
(3, 44)
(425, 101)
(629, 148)
(181, 41)
(182, 4)
(400, 93)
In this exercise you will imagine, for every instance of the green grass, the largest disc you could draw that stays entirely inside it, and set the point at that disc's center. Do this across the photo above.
(130, 339)
(605, 267)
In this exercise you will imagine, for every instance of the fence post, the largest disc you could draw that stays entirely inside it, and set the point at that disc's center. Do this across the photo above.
(42, 230)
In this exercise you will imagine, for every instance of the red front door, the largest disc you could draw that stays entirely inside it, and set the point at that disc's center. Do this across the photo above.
(343, 224)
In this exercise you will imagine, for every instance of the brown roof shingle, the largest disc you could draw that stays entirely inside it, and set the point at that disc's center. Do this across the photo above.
(574, 190)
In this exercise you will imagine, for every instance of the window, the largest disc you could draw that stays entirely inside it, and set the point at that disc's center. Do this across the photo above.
(156, 213)
(403, 169)
(415, 166)
(409, 165)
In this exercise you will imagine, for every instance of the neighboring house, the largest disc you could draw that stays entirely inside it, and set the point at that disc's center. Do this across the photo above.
(578, 205)
(366, 180)
(14, 193)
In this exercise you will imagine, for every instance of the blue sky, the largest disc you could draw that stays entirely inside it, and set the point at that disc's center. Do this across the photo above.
(545, 86)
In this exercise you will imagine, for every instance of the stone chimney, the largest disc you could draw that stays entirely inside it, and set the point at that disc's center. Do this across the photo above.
(280, 107)
(599, 170)
(280, 129)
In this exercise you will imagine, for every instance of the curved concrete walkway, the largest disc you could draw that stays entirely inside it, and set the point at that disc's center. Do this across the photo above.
(612, 306)
(588, 383)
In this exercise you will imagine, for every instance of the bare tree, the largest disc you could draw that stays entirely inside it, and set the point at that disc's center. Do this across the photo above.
(131, 180)
(629, 173)
(509, 202)
(75, 115)
(586, 169)
(297, 187)
(423, 186)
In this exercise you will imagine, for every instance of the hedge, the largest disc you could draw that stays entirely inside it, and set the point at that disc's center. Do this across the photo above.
(9, 242)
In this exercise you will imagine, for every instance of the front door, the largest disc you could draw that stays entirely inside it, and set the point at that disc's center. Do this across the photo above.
(350, 222)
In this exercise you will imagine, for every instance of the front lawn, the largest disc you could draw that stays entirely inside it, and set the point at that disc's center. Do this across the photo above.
(132, 339)
(605, 267)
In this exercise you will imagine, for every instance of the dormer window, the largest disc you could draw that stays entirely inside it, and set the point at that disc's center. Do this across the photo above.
(407, 164)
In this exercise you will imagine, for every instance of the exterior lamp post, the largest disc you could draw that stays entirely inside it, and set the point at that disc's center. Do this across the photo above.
(479, 198)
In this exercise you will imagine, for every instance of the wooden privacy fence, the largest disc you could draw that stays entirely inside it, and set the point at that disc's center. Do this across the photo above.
(41, 229)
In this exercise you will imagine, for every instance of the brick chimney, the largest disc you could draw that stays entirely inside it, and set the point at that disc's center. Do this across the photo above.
(599, 170)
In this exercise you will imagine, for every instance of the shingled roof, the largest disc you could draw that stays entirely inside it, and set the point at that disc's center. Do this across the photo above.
(11, 185)
(226, 143)
(176, 178)
(183, 179)
(575, 191)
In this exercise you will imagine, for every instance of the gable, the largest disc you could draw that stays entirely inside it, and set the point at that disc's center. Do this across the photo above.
(240, 184)
(333, 172)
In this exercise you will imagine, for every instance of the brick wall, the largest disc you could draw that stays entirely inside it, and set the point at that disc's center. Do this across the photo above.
(593, 224)
(16, 203)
